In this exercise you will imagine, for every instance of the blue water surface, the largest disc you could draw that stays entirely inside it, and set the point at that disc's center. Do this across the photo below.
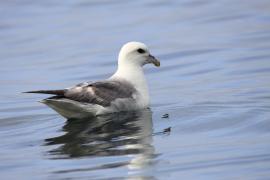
(214, 84)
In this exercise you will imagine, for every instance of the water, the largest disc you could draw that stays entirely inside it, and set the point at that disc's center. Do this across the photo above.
(214, 83)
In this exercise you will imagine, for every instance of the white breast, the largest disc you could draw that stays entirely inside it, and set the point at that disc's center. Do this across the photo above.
(135, 76)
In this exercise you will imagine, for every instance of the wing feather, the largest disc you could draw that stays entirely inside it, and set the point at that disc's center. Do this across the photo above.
(102, 92)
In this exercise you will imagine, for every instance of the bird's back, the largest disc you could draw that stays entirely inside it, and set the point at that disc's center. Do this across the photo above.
(91, 99)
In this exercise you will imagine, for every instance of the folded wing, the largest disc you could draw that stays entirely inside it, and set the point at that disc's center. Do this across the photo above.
(101, 93)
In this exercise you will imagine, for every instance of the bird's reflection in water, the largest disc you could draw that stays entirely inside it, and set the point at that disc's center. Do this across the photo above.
(126, 133)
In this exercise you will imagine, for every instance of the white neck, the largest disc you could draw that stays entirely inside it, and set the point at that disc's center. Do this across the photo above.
(134, 75)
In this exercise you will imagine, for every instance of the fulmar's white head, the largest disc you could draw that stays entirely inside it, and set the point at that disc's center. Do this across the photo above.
(136, 54)
(132, 57)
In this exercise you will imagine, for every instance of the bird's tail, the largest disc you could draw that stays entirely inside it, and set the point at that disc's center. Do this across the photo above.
(54, 92)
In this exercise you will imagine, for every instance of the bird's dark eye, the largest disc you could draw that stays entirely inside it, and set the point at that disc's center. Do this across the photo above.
(141, 51)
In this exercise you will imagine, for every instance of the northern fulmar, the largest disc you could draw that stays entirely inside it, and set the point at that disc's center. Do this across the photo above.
(125, 90)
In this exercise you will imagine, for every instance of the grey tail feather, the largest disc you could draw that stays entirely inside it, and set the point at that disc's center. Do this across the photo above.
(55, 92)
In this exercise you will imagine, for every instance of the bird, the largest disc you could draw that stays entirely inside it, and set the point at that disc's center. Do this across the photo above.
(125, 90)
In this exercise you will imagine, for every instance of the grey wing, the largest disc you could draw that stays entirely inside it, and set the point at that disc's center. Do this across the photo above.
(102, 93)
